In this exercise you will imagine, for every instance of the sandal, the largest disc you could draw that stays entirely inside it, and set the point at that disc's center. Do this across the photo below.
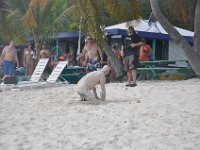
(127, 85)
(133, 85)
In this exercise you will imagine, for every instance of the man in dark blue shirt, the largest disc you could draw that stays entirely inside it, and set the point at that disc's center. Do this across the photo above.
(131, 46)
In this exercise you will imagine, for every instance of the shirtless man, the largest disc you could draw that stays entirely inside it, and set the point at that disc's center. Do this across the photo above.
(29, 59)
(89, 81)
(92, 49)
(8, 59)
(70, 57)
(44, 53)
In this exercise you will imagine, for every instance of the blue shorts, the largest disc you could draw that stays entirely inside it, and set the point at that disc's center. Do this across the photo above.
(8, 67)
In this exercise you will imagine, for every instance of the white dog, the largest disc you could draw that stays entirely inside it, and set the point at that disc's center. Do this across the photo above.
(89, 81)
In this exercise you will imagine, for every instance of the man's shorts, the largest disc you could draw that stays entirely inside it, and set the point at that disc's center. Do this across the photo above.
(8, 67)
(130, 62)
(93, 64)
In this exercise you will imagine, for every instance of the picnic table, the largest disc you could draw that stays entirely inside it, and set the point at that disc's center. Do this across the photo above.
(159, 66)
(73, 74)
(150, 64)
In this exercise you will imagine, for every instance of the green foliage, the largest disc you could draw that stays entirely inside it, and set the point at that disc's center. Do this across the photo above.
(58, 7)
(179, 12)
(61, 15)
(65, 15)
(146, 8)
(16, 16)
(4, 4)
(2, 38)
(14, 19)
(124, 10)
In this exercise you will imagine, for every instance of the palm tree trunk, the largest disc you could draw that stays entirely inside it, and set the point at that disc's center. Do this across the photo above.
(196, 27)
(117, 65)
(192, 55)
(192, 9)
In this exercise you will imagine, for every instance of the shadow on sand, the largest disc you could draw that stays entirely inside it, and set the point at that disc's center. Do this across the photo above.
(100, 102)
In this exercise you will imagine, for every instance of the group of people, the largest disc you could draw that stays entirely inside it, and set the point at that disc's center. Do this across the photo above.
(132, 50)
(89, 57)
(29, 58)
(128, 54)
(9, 58)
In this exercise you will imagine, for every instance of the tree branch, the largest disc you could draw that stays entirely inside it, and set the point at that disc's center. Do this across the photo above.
(196, 27)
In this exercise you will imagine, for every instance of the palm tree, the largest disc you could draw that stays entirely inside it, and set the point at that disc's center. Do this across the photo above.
(192, 53)
(29, 17)
(4, 4)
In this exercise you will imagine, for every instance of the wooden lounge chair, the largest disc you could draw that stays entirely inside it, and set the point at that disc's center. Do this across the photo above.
(51, 80)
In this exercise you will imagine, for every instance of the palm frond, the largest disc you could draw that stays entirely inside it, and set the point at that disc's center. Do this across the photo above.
(124, 10)
(15, 24)
(92, 16)
(62, 20)
(29, 18)
(178, 10)
(34, 3)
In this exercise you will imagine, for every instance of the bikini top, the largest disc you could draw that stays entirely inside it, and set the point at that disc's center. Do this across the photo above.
(28, 52)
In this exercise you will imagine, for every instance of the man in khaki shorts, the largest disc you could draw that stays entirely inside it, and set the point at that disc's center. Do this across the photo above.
(130, 47)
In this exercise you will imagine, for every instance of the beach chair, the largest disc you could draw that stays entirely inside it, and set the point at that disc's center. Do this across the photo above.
(39, 70)
(56, 72)
(51, 80)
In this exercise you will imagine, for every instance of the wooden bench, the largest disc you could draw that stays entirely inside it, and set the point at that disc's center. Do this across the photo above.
(156, 62)
(159, 70)
(155, 68)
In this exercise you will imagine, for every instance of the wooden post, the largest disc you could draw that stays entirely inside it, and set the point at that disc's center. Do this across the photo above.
(154, 49)
(57, 49)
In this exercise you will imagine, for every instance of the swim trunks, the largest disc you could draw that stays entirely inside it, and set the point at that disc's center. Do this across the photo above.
(8, 67)
(93, 64)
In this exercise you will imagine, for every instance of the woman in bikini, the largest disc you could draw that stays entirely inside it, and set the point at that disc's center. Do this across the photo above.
(29, 59)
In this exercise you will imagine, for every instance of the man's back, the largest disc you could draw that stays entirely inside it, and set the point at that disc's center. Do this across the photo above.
(145, 52)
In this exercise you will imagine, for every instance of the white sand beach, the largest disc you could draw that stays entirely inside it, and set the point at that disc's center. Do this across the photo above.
(155, 115)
